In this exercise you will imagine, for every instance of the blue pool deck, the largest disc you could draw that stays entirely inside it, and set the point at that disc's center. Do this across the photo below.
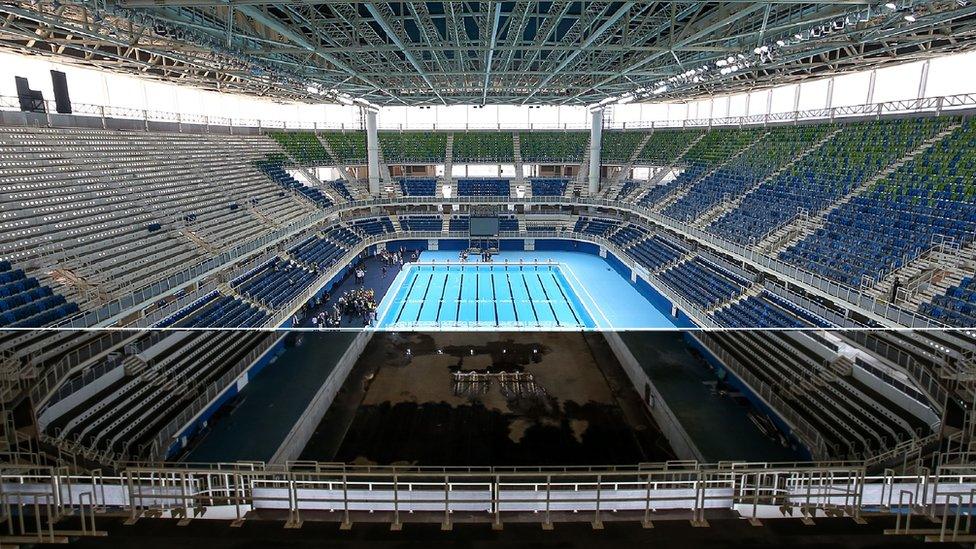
(545, 290)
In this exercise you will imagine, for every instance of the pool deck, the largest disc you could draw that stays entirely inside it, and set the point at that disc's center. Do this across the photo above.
(611, 301)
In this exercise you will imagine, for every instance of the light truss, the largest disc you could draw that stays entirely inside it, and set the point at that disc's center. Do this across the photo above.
(433, 53)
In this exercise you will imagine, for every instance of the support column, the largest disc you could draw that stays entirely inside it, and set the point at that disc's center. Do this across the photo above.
(596, 142)
(372, 153)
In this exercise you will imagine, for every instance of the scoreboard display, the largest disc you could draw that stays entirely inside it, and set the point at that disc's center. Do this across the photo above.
(484, 226)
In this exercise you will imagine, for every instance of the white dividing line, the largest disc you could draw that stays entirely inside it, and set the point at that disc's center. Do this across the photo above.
(390, 296)
(590, 297)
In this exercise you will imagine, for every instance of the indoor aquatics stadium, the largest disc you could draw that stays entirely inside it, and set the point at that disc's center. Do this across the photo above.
(541, 274)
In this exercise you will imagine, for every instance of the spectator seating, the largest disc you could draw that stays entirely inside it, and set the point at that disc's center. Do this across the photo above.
(656, 252)
(767, 310)
(418, 186)
(844, 162)
(548, 186)
(304, 147)
(714, 148)
(594, 226)
(340, 187)
(459, 223)
(25, 303)
(421, 222)
(553, 147)
(413, 147)
(617, 147)
(484, 147)
(956, 307)
(283, 178)
(896, 219)
(348, 146)
(703, 283)
(120, 215)
(665, 146)
(374, 226)
(483, 187)
(508, 223)
(275, 283)
(853, 419)
(121, 420)
(733, 178)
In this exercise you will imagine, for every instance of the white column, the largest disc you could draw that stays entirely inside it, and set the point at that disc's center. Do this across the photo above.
(596, 138)
(923, 79)
(372, 152)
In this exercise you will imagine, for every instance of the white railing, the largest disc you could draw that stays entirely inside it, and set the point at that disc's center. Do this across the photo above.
(191, 122)
(390, 494)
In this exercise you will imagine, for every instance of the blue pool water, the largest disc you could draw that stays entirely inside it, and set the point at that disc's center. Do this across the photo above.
(484, 296)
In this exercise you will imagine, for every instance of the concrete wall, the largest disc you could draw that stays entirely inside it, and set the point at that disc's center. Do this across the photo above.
(302, 431)
(677, 437)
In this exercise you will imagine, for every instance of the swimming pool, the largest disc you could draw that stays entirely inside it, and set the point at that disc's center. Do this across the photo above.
(484, 295)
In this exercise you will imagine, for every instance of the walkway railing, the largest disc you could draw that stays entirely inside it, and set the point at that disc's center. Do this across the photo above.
(190, 122)
(767, 490)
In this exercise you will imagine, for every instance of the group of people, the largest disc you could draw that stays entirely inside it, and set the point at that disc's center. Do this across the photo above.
(358, 303)
(485, 256)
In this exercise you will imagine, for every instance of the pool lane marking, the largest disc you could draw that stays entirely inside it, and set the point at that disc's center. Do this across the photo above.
(528, 293)
(403, 303)
(457, 315)
(565, 299)
(548, 299)
(424, 299)
(494, 302)
(440, 302)
(511, 293)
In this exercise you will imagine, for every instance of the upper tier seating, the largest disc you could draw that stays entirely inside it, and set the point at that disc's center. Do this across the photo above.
(349, 146)
(560, 147)
(957, 307)
(656, 252)
(714, 148)
(594, 226)
(340, 187)
(896, 220)
(548, 186)
(420, 222)
(665, 146)
(459, 223)
(283, 178)
(483, 187)
(112, 211)
(374, 226)
(841, 164)
(418, 186)
(25, 303)
(616, 147)
(413, 147)
(475, 147)
(304, 147)
(779, 146)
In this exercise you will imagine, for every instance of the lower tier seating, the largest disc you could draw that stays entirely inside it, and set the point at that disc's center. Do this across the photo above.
(25, 303)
